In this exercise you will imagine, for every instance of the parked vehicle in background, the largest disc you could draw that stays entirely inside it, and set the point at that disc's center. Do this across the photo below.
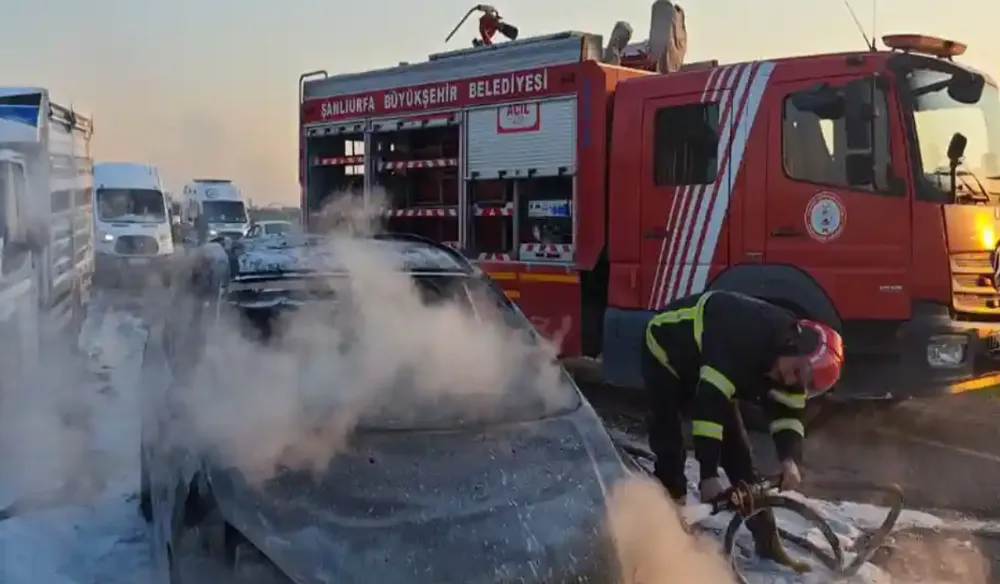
(270, 227)
(132, 235)
(217, 206)
(46, 255)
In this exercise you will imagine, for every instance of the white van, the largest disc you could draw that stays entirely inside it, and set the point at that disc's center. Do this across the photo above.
(131, 222)
(218, 205)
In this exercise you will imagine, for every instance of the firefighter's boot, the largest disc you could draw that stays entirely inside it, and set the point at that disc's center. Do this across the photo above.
(767, 542)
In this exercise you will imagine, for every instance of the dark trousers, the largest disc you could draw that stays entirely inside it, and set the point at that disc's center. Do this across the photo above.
(670, 401)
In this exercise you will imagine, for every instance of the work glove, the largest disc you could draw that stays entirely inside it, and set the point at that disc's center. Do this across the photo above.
(710, 489)
(791, 477)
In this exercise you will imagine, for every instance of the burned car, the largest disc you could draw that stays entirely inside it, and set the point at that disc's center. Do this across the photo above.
(425, 490)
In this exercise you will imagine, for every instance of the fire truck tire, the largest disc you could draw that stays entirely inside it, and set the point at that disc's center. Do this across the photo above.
(785, 286)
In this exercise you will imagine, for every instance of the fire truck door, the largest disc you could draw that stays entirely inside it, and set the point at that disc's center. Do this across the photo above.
(853, 240)
(682, 147)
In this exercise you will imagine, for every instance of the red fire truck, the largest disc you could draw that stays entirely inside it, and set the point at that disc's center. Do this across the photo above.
(596, 184)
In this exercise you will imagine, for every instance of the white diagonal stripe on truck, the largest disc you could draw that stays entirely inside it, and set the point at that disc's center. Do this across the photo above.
(732, 117)
(732, 170)
(681, 218)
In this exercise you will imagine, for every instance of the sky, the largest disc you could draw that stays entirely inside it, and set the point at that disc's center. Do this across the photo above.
(209, 88)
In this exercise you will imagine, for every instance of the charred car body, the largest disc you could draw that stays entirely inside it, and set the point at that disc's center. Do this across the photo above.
(515, 493)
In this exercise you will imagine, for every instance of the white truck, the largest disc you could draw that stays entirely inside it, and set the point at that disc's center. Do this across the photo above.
(132, 230)
(46, 256)
(215, 207)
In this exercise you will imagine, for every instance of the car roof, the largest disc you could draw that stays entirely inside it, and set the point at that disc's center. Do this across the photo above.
(303, 255)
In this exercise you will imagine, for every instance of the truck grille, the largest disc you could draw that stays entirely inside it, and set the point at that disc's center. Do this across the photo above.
(972, 284)
(136, 245)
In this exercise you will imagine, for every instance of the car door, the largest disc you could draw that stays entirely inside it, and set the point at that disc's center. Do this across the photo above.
(853, 240)
(679, 173)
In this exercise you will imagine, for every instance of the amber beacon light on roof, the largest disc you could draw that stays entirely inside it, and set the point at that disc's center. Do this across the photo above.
(924, 45)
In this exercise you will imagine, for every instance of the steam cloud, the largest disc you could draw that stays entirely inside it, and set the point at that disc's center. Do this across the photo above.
(296, 402)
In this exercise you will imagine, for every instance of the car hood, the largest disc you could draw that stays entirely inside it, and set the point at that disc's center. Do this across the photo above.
(516, 503)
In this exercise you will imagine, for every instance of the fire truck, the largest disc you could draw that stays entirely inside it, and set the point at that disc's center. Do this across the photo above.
(596, 183)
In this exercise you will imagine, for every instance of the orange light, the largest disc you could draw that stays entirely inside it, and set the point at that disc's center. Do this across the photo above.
(927, 45)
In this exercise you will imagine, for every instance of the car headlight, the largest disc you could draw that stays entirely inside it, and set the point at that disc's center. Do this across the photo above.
(106, 237)
(212, 233)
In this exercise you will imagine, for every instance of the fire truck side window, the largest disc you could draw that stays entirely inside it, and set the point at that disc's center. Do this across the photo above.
(686, 144)
(815, 149)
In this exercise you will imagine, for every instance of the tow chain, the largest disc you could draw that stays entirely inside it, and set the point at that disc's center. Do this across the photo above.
(746, 500)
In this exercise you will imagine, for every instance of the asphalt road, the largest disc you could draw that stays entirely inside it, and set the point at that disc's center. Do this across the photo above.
(945, 454)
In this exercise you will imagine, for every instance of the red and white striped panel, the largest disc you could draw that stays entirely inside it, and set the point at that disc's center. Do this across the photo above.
(339, 160)
(485, 211)
(495, 257)
(404, 164)
(696, 216)
(416, 122)
(423, 212)
(546, 251)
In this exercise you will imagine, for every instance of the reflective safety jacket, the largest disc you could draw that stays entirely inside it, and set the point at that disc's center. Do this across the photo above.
(723, 345)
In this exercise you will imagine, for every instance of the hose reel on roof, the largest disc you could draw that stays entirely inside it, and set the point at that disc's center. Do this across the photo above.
(490, 23)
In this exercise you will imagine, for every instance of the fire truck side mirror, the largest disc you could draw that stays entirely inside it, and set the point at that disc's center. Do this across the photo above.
(860, 169)
(966, 87)
(823, 101)
(956, 148)
(859, 113)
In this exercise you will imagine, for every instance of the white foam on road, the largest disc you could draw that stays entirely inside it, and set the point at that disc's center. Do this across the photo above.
(104, 541)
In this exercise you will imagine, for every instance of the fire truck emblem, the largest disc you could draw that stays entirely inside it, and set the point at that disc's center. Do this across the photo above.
(825, 217)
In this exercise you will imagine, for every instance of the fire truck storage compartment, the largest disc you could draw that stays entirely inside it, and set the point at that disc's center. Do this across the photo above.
(491, 232)
(521, 162)
(545, 219)
(416, 165)
(536, 138)
(336, 159)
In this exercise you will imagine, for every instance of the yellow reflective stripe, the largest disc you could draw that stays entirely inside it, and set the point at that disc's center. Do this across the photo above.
(788, 424)
(699, 320)
(671, 317)
(712, 375)
(658, 353)
(704, 429)
(795, 401)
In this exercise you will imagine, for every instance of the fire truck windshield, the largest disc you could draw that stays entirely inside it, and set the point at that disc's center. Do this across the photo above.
(937, 117)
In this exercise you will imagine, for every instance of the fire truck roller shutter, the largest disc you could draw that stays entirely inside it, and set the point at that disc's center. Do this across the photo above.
(419, 122)
(535, 138)
(335, 129)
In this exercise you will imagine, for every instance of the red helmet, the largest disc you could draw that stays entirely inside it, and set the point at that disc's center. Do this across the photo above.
(823, 349)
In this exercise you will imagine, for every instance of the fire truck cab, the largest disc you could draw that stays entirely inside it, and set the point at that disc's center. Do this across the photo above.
(598, 183)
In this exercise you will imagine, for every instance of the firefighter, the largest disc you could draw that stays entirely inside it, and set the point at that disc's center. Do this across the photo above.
(705, 353)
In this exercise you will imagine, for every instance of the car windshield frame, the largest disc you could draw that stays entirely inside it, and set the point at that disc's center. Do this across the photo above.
(932, 118)
(282, 227)
(214, 214)
(278, 293)
(134, 197)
